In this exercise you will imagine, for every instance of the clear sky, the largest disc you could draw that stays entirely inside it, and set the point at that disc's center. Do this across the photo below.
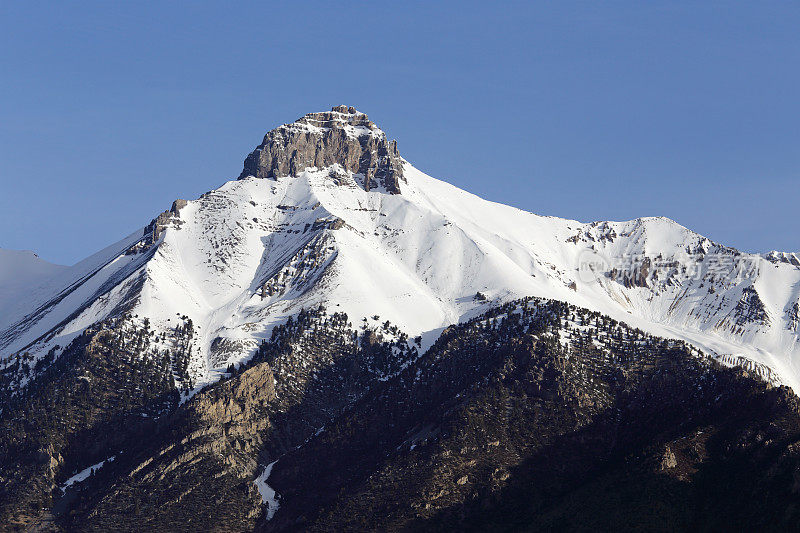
(594, 111)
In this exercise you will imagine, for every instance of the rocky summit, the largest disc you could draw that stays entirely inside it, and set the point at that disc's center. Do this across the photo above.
(341, 136)
(336, 341)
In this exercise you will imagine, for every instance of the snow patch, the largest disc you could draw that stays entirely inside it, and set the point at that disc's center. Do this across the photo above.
(268, 495)
(85, 473)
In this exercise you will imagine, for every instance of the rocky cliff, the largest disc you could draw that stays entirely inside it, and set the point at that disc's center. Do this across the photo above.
(342, 136)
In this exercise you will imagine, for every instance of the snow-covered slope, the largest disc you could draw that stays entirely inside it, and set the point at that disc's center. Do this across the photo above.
(396, 244)
(23, 268)
(61, 305)
(21, 271)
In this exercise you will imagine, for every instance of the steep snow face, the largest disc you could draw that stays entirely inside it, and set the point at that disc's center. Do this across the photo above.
(244, 257)
(257, 250)
(651, 273)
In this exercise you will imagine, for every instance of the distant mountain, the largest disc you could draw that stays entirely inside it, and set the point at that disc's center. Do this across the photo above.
(332, 275)
(20, 273)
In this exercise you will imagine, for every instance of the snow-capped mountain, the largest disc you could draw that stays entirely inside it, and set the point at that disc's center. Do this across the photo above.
(327, 212)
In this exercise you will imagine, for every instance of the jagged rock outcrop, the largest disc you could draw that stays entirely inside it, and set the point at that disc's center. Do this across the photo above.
(783, 257)
(750, 308)
(635, 276)
(177, 205)
(153, 231)
(793, 314)
(305, 266)
(668, 461)
(340, 136)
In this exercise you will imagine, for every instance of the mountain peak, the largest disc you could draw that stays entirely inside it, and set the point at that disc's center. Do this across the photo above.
(342, 136)
(341, 114)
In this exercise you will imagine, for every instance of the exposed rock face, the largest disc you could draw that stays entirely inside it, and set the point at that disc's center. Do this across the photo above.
(636, 276)
(341, 136)
(177, 205)
(153, 231)
(794, 316)
(204, 452)
(306, 266)
(750, 308)
(668, 460)
(783, 257)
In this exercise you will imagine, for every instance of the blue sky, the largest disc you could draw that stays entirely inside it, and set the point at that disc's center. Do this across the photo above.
(109, 111)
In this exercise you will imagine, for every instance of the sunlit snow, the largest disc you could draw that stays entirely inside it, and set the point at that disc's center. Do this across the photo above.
(244, 257)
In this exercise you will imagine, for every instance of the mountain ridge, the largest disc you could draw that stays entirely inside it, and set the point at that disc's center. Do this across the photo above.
(377, 239)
